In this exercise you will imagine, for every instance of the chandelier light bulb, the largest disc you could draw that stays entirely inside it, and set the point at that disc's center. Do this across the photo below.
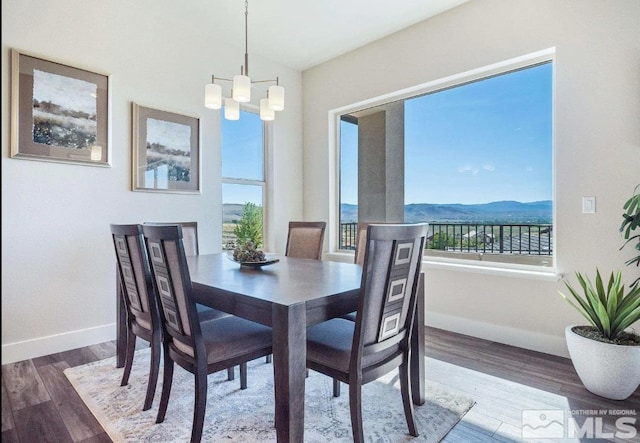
(231, 109)
(241, 88)
(266, 113)
(213, 96)
(276, 98)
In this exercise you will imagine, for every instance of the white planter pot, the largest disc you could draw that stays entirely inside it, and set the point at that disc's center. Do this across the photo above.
(607, 370)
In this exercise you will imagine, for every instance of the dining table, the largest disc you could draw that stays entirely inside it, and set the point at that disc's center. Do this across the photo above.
(289, 296)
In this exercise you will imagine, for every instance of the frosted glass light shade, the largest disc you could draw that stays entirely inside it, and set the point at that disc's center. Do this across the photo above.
(213, 96)
(266, 113)
(231, 109)
(276, 98)
(241, 88)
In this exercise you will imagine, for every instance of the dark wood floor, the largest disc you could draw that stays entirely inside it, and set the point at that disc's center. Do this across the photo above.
(39, 404)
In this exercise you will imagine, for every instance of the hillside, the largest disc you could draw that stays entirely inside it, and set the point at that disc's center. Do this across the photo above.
(494, 212)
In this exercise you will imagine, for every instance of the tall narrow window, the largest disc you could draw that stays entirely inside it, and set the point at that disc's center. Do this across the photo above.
(348, 182)
(243, 178)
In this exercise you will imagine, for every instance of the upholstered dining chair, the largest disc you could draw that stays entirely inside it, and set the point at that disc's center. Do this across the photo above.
(199, 347)
(143, 315)
(379, 340)
(305, 239)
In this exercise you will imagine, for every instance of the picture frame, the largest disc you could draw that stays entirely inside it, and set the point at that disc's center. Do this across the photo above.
(166, 151)
(59, 113)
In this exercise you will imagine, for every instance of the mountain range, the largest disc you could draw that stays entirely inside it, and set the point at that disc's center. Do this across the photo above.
(499, 212)
(539, 212)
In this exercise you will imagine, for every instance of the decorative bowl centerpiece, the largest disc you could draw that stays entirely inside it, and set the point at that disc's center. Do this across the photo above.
(247, 254)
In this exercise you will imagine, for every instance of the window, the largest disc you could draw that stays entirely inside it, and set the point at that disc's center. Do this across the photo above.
(243, 175)
(472, 157)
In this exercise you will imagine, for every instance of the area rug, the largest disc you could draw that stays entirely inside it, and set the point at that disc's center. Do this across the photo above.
(235, 415)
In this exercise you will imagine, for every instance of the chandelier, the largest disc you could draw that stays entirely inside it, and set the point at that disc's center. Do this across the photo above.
(241, 88)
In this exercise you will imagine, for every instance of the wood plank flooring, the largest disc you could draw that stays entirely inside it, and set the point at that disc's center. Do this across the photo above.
(39, 404)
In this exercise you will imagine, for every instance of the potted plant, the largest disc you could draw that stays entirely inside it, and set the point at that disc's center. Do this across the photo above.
(605, 355)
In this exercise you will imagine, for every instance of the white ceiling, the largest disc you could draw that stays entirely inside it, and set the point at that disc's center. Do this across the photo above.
(303, 33)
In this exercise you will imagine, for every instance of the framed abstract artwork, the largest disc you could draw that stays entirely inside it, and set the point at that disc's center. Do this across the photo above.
(166, 151)
(59, 112)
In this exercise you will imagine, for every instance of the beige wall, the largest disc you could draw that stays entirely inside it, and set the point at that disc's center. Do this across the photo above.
(597, 144)
(58, 274)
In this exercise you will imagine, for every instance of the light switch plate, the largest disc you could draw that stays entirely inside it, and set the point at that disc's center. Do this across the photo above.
(588, 205)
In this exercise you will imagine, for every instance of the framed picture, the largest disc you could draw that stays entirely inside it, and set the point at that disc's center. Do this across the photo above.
(59, 112)
(166, 151)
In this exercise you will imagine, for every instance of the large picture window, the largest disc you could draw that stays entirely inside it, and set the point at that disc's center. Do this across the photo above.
(243, 178)
(473, 158)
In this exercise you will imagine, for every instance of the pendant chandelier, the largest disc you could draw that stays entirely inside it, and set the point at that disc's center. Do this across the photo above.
(241, 88)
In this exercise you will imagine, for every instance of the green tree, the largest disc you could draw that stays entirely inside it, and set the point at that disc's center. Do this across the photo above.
(250, 225)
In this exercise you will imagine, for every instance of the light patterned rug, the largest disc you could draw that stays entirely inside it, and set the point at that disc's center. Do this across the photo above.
(235, 415)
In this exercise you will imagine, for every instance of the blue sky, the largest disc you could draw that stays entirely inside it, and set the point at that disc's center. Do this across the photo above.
(485, 141)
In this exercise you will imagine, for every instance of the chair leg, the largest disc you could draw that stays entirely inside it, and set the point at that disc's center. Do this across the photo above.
(336, 387)
(200, 403)
(167, 379)
(407, 398)
(231, 373)
(128, 359)
(355, 407)
(268, 358)
(243, 375)
(154, 368)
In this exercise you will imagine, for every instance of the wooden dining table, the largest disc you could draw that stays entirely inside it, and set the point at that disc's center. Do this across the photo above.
(288, 296)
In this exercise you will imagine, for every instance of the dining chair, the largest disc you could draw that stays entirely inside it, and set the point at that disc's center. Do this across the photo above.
(198, 347)
(305, 239)
(378, 341)
(143, 315)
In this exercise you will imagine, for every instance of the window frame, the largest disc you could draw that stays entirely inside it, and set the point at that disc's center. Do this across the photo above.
(263, 184)
(503, 67)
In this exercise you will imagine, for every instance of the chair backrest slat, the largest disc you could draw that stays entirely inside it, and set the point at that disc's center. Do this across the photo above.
(173, 284)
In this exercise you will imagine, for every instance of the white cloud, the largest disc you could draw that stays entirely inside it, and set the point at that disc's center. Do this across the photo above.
(468, 169)
(489, 168)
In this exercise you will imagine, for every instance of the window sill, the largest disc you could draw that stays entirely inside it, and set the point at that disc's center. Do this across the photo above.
(487, 268)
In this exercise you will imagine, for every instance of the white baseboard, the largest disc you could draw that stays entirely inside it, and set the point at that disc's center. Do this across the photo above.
(534, 341)
(38, 347)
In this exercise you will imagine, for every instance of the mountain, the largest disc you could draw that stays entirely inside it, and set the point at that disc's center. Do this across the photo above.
(500, 212)
(231, 212)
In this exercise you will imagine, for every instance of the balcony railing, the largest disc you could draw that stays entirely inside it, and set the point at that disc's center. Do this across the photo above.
(526, 239)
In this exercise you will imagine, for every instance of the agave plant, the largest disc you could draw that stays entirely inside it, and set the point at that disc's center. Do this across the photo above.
(609, 309)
